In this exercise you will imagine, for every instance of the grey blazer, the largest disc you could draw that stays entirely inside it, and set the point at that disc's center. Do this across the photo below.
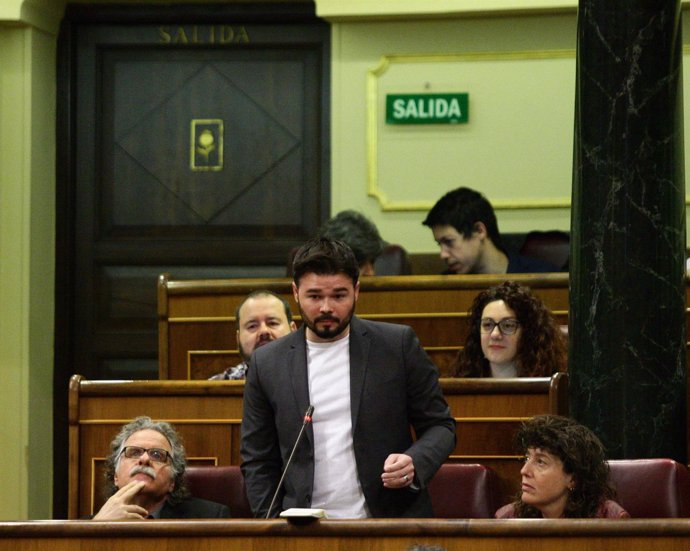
(393, 385)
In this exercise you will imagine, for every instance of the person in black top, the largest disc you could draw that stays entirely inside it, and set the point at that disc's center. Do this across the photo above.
(145, 476)
(360, 234)
(465, 227)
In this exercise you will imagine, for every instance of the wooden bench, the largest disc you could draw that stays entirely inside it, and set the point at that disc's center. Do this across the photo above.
(337, 535)
(196, 319)
(208, 415)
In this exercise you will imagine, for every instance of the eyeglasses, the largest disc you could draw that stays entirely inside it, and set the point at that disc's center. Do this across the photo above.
(507, 326)
(155, 454)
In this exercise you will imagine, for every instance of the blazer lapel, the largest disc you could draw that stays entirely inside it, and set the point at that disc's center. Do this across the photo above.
(296, 362)
(359, 356)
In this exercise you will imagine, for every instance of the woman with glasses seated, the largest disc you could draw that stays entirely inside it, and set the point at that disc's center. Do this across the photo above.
(564, 475)
(511, 334)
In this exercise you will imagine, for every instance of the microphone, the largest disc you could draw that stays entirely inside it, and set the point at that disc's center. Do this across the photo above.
(305, 422)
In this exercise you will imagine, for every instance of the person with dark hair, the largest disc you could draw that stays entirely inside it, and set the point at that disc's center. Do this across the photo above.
(145, 476)
(360, 234)
(262, 317)
(564, 475)
(465, 227)
(368, 382)
(511, 334)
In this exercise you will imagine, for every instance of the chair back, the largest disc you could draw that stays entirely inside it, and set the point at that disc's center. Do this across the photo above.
(393, 261)
(651, 488)
(457, 490)
(223, 484)
(461, 490)
(550, 246)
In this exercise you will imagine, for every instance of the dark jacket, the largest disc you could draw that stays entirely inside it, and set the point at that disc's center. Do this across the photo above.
(193, 507)
(527, 265)
(393, 386)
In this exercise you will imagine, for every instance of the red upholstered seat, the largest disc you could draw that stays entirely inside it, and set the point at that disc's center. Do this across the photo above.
(652, 488)
(223, 484)
(550, 246)
(465, 491)
(457, 490)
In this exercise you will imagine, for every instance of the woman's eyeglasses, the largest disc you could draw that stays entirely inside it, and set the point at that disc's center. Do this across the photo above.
(507, 326)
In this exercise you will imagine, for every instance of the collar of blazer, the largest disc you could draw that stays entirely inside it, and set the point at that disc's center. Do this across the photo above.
(359, 356)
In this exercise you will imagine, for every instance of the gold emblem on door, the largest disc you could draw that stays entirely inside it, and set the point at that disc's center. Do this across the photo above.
(206, 144)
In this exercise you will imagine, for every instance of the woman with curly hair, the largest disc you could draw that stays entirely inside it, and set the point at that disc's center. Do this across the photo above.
(565, 474)
(512, 334)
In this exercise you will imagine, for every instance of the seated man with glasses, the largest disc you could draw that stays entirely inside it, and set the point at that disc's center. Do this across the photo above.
(145, 476)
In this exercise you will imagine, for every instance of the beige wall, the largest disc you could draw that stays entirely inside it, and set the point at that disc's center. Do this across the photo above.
(519, 70)
(519, 73)
(27, 253)
(501, 151)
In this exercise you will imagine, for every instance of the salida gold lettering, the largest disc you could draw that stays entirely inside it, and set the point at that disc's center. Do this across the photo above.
(196, 34)
(164, 35)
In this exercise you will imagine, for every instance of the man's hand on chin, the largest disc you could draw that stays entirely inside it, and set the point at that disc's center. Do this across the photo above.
(120, 506)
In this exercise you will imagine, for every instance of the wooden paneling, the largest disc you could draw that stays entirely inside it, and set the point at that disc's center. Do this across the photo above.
(199, 315)
(338, 535)
(254, 80)
(208, 415)
(137, 85)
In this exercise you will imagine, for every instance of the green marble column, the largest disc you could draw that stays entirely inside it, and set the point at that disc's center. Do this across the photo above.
(627, 280)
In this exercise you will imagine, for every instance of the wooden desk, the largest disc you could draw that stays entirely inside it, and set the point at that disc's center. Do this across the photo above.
(197, 325)
(208, 416)
(374, 535)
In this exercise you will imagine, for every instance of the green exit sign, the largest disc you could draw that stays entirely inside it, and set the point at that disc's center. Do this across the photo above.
(427, 108)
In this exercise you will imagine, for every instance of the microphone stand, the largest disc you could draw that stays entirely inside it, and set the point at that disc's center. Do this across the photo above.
(305, 422)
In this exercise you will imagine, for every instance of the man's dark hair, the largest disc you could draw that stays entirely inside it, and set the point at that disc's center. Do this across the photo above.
(264, 293)
(178, 458)
(325, 257)
(358, 232)
(462, 208)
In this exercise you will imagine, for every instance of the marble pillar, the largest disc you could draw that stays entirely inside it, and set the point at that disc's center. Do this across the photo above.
(627, 279)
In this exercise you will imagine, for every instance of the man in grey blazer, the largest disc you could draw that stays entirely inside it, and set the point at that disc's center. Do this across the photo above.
(371, 385)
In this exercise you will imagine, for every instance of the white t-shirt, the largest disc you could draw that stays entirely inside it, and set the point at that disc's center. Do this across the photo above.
(336, 484)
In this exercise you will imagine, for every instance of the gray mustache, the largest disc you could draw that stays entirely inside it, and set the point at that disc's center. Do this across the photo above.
(143, 469)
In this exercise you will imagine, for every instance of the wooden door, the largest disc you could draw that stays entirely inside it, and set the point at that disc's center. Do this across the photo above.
(193, 140)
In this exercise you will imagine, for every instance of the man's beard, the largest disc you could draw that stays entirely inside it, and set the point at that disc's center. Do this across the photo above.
(246, 356)
(327, 332)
